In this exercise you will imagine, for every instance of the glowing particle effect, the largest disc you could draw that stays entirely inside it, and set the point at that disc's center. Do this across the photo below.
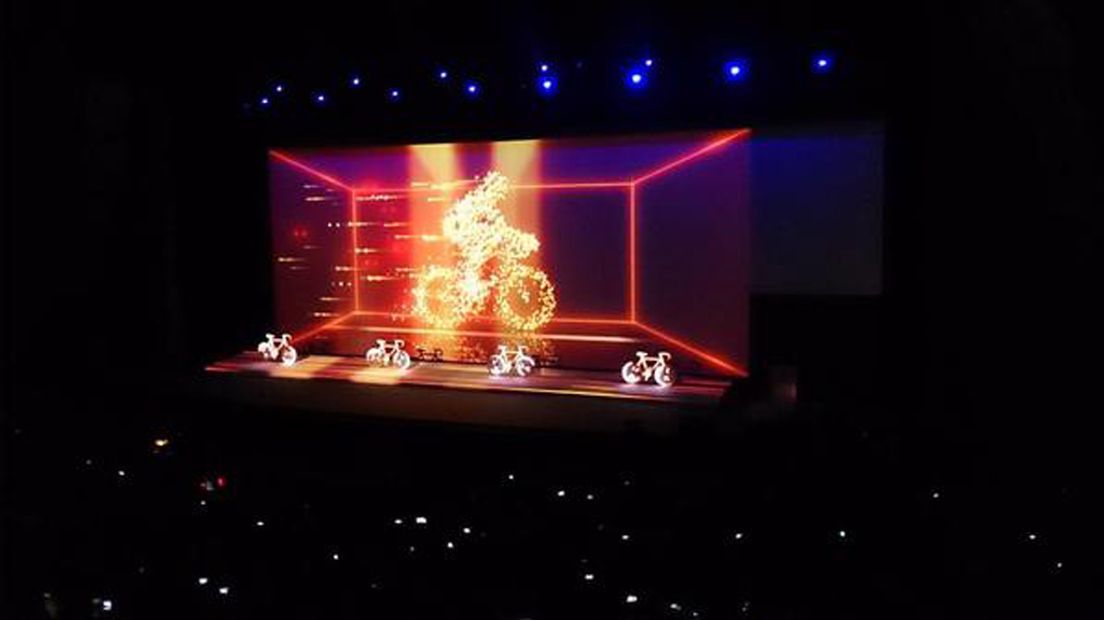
(488, 266)
(842, 534)
(588, 577)
(202, 581)
(224, 590)
(631, 598)
(739, 536)
(421, 520)
(466, 530)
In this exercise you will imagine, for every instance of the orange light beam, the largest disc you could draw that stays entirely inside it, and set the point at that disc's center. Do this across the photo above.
(694, 155)
(312, 171)
(328, 325)
(355, 219)
(632, 252)
(709, 357)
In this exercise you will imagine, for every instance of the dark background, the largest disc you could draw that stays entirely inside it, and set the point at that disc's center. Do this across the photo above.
(134, 195)
(135, 242)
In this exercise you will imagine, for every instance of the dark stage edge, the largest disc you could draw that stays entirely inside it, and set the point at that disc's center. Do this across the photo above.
(551, 398)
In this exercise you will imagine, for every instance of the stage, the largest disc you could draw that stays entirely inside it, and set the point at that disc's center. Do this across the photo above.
(550, 398)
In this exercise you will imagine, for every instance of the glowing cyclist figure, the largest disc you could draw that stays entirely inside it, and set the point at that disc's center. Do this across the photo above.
(278, 350)
(388, 354)
(656, 368)
(516, 360)
(488, 254)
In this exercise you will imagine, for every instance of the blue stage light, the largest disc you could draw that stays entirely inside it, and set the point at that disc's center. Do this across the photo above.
(636, 79)
(647, 62)
(279, 88)
(442, 75)
(822, 63)
(544, 68)
(320, 98)
(735, 70)
(355, 82)
(472, 89)
(546, 84)
(394, 94)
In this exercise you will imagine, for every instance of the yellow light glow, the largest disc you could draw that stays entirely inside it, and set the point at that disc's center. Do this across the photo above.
(488, 255)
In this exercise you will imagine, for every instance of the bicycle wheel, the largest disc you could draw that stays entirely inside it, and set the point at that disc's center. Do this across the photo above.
(526, 298)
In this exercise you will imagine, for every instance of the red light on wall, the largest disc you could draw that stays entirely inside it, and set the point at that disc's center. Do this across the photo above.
(220, 482)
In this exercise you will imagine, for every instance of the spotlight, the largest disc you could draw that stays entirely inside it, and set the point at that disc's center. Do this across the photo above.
(320, 98)
(355, 82)
(735, 70)
(393, 94)
(442, 75)
(279, 88)
(472, 89)
(647, 62)
(822, 63)
(635, 79)
(264, 100)
(546, 84)
(544, 68)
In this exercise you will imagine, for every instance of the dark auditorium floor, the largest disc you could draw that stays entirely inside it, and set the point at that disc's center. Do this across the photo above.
(298, 515)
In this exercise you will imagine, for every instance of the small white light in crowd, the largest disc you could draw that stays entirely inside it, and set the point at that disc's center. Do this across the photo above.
(106, 605)
(675, 607)
(632, 598)
(935, 495)
(420, 520)
(88, 462)
(842, 534)
(335, 557)
(466, 530)
(279, 88)
(202, 581)
(1031, 537)
(122, 473)
(627, 482)
(589, 576)
(224, 590)
(398, 521)
(624, 537)
(202, 502)
(590, 496)
(1057, 565)
(509, 476)
(260, 523)
(739, 535)
(411, 548)
(450, 545)
(648, 62)
(560, 493)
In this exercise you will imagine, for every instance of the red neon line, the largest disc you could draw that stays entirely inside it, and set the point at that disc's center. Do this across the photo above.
(698, 153)
(712, 359)
(308, 169)
(312, 333)
(632, 252)
(353, 217)
(571, 319)
(580, 185)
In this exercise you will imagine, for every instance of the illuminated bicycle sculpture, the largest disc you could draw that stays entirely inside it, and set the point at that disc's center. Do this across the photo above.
(388, 354)
(488, 267)
(516, 360)
(645, 368)
(280, 350)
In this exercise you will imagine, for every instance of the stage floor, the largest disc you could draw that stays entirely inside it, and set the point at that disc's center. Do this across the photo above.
(692, 391)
